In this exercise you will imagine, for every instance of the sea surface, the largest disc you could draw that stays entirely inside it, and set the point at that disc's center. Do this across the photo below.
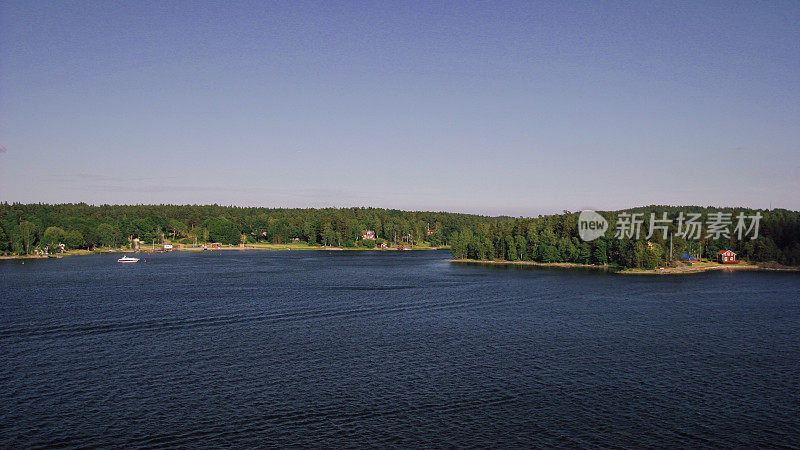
(398, 349)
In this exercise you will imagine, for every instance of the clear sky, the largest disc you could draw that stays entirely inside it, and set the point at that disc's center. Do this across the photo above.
(492, 107)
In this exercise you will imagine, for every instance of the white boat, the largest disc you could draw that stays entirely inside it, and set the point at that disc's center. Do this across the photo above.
(126, 259)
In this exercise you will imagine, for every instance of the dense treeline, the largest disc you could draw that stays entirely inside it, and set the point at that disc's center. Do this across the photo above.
(555, 239)
(27, 228)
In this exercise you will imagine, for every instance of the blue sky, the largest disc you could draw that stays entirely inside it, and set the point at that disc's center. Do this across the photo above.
(515, 108)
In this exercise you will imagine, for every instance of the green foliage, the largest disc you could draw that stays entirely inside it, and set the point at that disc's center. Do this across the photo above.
(74, 239)
(28, 236)
(177, 229)
(223, 230)
(522, 246)
(511, 249)
(24, 227)
(555, 239)
(459, 244)
(367, 243)
(5, 242)
(52, 237)
(600, 252)
(584, 253)
(550, 254)
(108, 235)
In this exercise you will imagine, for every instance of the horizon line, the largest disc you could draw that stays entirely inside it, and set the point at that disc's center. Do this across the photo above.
(565, 211)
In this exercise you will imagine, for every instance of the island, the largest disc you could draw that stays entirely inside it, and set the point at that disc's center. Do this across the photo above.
(634, 241)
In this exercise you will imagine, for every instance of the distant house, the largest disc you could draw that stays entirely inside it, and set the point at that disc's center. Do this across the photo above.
(295, 239)
(382, 245)
(430, 232)
(215, 245)
(368, 234)
(167, 246)
(726, 257)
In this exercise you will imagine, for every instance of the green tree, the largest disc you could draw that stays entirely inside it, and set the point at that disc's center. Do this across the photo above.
(550, 254)
(568, 250)
(5, 242)
(654, 256)
(640, 254)
(533, 251)
(522, 246)
(52, 237)
(459, 244)
(74, 239)
(28, 232)
(512, 249)
(367, 243)
(177, 228)
(108, 235)
(584, 253)
(328, 235)
(223, 230)
(600, 252)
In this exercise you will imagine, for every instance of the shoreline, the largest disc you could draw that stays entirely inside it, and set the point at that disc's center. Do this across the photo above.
(536, 264)
(682, 270)
(267, 247)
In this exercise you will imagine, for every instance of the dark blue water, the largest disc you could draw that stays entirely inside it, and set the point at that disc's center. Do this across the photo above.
(400, 348)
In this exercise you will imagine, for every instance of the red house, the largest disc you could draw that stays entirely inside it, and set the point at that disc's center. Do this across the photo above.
(726, 257)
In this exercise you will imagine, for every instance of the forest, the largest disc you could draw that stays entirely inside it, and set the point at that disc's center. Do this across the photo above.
(554, 238)
(28, 228)
(31, 228)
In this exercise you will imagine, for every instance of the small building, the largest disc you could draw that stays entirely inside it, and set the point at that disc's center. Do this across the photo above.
(368, 234)
(726, 257)
(382, 245)
(430, 232)
(167, 246)
(215, 245)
